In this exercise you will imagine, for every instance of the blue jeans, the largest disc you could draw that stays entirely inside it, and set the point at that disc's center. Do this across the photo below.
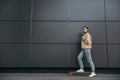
(87, 53)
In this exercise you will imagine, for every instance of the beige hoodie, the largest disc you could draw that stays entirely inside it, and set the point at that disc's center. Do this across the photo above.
(86, 41)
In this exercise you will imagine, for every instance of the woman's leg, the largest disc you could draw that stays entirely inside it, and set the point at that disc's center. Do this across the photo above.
(80, 59)
(89, 59)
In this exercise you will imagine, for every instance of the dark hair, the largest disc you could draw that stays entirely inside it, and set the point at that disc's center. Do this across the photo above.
(86, 28)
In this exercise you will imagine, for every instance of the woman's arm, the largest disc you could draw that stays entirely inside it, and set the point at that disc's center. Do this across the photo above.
(87, 39)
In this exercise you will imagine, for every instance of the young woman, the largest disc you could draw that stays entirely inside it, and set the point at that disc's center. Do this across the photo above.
(86, 45)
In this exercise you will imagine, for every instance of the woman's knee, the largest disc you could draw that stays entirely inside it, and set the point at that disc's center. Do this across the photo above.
(79, 57)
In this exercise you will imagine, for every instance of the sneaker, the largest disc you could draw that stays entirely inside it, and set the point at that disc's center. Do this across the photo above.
(80, 70)
(92, 74)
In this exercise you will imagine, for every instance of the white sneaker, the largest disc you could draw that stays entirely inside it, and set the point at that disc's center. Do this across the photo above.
(80, 70)
(92, 74)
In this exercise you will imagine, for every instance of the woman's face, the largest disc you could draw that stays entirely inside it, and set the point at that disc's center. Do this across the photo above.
(85, 30)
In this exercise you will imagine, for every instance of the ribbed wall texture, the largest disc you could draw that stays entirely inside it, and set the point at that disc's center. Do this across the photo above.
(46, 33)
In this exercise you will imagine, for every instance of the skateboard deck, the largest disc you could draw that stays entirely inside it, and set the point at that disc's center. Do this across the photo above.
(73, 73)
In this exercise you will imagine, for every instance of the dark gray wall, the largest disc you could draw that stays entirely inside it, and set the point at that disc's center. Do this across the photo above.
(46, 33)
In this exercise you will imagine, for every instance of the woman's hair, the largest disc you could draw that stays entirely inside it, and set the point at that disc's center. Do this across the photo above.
(86, 28)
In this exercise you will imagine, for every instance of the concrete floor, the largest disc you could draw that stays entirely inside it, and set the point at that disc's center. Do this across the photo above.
(55, 76)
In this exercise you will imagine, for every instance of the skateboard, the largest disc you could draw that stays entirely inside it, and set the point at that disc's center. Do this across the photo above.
(73, 73)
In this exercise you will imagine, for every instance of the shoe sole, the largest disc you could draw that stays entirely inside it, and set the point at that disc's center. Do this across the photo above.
(93, 75)
(79, 72)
